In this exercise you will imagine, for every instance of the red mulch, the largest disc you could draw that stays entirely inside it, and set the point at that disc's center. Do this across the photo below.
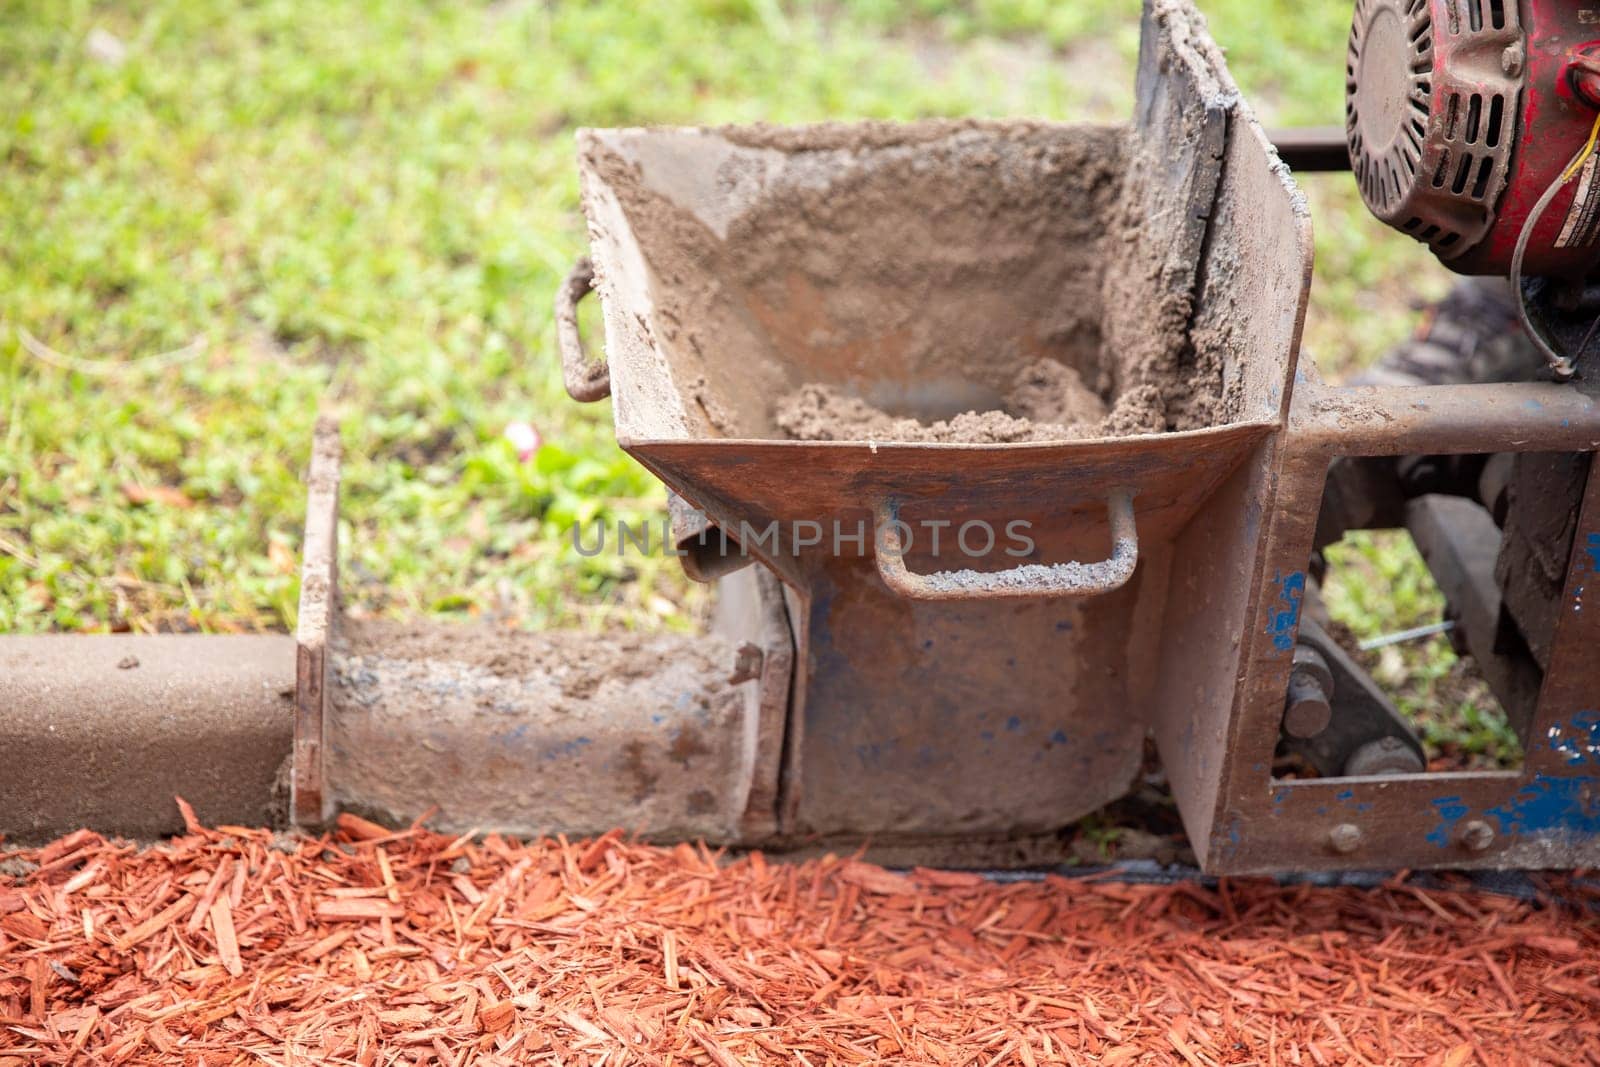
(235, 945)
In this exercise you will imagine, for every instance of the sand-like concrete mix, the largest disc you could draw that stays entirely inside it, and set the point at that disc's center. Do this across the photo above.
(989, 282)
(1049, 402)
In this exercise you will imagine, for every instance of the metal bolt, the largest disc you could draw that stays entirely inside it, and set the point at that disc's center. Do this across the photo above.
(746, 664)
(1475, 835)
(1344, 838)
(1308, 710)
(1511, 60)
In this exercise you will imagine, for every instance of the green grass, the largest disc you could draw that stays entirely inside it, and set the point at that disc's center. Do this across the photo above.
(370, 205)
(1377, 584)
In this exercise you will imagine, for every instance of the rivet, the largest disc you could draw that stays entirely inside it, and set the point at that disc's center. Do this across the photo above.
(1344, 838)
(1476, 835)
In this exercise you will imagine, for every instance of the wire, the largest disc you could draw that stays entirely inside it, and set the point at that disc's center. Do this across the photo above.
(1373, 643)
(1563, 366)
(1583, 157)
(103, 367)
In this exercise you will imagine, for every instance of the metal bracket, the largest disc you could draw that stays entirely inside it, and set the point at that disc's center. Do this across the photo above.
(309, 795)
(1460, 542)
(1364, 734)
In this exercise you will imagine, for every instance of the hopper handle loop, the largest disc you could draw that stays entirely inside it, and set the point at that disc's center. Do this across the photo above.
(586, 381)
(1028, 580)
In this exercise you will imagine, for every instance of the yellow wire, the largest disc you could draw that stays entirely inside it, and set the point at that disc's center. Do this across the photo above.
(1583, 157)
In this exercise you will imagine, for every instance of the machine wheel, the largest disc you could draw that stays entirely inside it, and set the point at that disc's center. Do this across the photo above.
(1472, 336)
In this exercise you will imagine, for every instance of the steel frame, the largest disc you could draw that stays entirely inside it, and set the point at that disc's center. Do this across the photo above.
(1545, 815)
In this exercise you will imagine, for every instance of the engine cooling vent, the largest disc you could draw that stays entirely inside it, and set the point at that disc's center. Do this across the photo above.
(1430, 114)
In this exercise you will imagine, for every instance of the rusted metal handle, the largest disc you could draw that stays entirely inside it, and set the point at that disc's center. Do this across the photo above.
(586, 381)
(1028, 580)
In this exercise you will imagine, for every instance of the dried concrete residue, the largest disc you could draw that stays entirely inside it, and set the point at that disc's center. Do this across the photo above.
(16, 868)
(526, 732)
(903, 281)
(1038, 579)
(578, 663)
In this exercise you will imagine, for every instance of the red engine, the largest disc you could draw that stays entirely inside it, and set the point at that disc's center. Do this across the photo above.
(1462, 115)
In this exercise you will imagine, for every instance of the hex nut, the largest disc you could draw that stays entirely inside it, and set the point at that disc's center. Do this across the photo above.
(1475, 835)
(1344, 838)
(1511, 60)
(1385, 755)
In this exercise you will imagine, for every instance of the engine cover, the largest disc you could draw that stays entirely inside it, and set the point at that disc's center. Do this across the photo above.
(1459, 115)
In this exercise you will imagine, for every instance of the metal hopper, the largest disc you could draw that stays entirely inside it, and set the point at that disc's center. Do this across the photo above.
(920, 268)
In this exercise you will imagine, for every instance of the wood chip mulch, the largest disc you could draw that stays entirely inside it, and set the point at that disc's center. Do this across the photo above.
(233, 945)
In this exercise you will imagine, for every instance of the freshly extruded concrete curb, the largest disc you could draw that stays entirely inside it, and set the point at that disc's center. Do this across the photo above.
(103, 730)
(671, 735)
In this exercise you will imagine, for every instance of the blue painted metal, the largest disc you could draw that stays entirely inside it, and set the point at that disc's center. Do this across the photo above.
(1577, 741)
(1565, 807)
(1451, 811)
(1284, 621)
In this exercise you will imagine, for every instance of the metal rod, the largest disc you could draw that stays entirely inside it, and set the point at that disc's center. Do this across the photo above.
(1445, 419)
(1026, 580)
(1312, 148)
(1402, 636)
